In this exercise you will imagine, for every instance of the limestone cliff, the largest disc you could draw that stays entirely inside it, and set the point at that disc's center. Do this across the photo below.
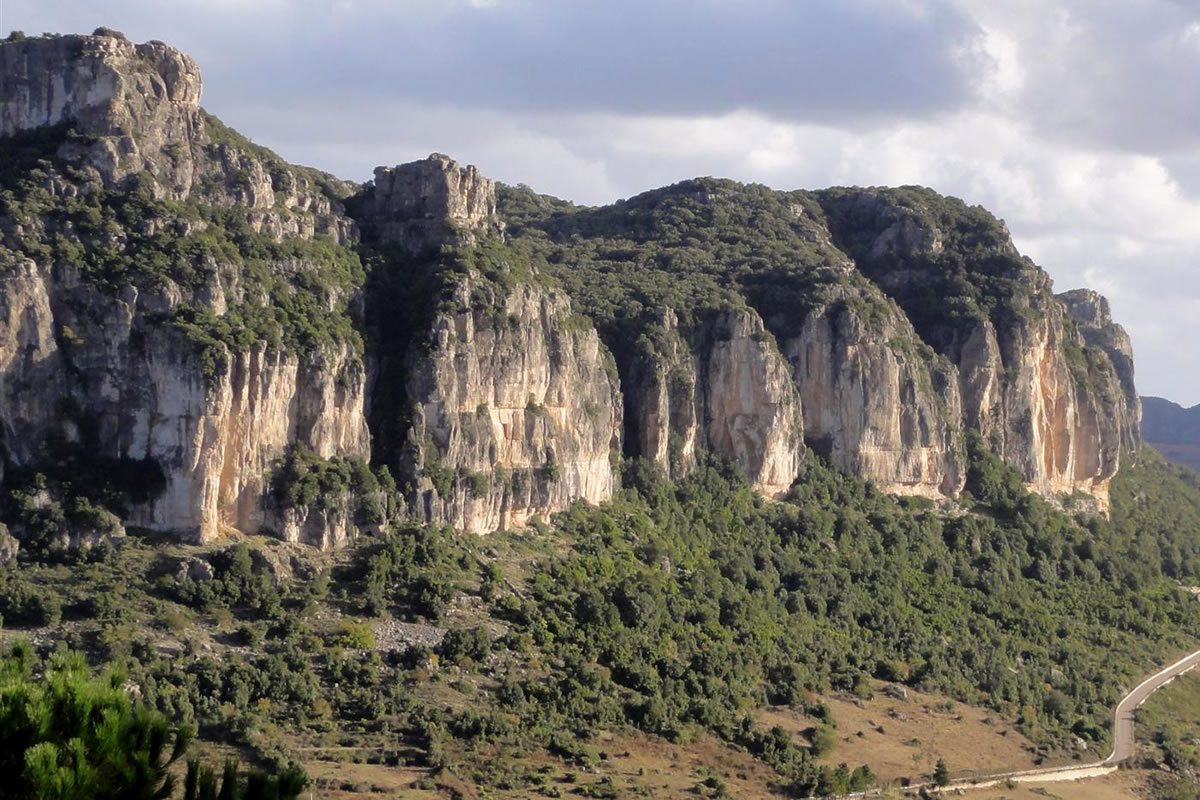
(88, 369)
(728, 392)
(1093, 318)
(431, 203)
(517, 410)
(1044, 406)
(876, 401)
(1048, 381)
(136, 107)
(184, 317)
(160, 340)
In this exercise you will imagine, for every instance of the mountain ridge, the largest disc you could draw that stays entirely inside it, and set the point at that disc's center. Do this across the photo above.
(253, 307)
(1173, 430)
(748, 458)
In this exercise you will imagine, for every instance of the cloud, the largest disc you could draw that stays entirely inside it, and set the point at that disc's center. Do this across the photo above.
(1105, 73)
(870, 60)
(1075, 120)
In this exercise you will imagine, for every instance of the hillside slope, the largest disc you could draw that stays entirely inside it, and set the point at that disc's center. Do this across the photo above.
(737, 450)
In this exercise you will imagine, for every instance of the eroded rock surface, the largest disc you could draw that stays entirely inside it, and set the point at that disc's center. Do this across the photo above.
(517, 410)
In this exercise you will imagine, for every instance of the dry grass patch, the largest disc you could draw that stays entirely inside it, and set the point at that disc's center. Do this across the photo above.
(904, 738)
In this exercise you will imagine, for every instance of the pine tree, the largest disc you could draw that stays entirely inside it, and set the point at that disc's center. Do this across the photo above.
(941, 775)
(67, 735)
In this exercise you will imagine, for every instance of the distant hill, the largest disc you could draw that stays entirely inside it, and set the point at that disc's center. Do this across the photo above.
(1173, 430)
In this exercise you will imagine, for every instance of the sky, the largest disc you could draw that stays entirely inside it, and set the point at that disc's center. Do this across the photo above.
(1075, 121)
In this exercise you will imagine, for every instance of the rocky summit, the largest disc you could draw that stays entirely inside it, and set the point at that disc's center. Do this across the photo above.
(219, 339)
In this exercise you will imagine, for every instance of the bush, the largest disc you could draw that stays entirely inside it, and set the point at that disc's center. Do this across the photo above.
(464, 646)
(24, 604)
(355, 635)
(822, 741)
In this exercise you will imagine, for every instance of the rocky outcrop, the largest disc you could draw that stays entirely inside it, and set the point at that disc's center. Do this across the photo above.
(218, 443)
(1046, 406)
(729, 393)
(98, 360)
(1093, 317)
(876, 400)
(134, 110)
(430, 203)
(326, 526)
(1048, 381)
(92, 370)
(905, 318)
(662, 409)
(137, 107)
(10, 546)
(517, 411)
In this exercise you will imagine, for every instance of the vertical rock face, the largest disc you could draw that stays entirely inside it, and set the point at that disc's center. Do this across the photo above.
(218, 443)
(876, 402)
(517, 410)
(1039, 415)
(730, 393)
(92, 370)
(752, 411)
(204, 338)
(663, 416)
(1048, 381)
(92, 364)
(1093, 317)
(432, 202)
(1049, 408)
(139, 103)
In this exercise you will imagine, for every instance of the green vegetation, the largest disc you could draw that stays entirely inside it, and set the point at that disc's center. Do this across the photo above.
(290, 295)
(65, 735)
(1168, 724)
(675, 610)
(412, 572)
(1168, 727)
(941, 775)
(698, 246)
(974, 275)
(75, 492)
(304, 480)
(283, 175)
(109, 32)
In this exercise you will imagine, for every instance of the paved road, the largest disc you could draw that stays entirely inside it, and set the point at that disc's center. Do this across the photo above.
(1122, 741)
(1123, 723)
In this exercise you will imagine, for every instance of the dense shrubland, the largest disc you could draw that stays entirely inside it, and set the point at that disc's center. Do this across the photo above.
(698, 246)
(676, 608)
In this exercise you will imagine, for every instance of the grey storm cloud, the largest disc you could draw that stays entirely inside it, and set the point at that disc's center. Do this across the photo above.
(817, 59)
(1114, 73)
